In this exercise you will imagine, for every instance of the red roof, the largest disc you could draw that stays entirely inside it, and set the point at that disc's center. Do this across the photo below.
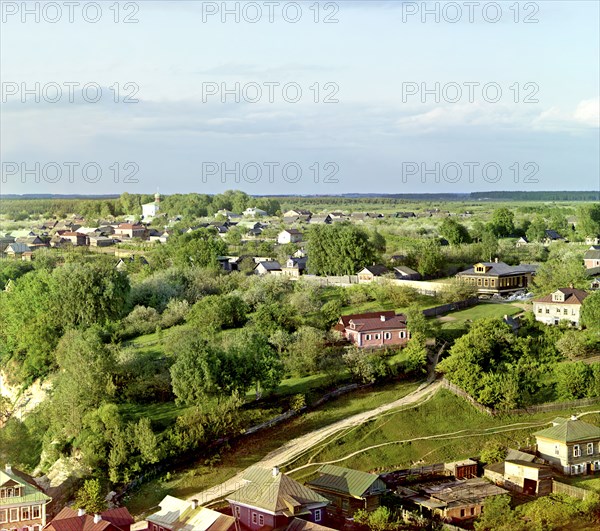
(111, 520)
(572, 296)
(365, 322)
(130, 226)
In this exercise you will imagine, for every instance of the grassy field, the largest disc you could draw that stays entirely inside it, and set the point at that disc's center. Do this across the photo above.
(202, 475)
(459, 319)
(448, 429)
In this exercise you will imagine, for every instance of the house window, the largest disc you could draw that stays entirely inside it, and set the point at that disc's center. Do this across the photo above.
(14, 514)
(547, 310)
(36, 528)
(377, 336)
(401, 335)
(556, 449)
(368, 337)
(590, 448)
(462, 512)
(472, 511)
(576, 451)
(261, 519)
(35, 511)
(539, 310)
(238, 511)
(254, 520)
(9, 493)
(318, 515)
(387, 335)
(24, 513)
(566, 311)
(3, 516)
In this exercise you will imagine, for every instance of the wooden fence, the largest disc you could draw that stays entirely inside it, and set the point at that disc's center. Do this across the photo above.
(463, 394)
(445, 308)
(558, 487)
(553, 406)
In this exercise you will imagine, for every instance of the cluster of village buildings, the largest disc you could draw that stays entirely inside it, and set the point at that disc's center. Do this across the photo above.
(270, 499)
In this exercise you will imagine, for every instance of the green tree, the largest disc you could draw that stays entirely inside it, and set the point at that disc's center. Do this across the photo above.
(454, 232)
(416, 354)
(572, 380)
(493, 452)
(560, 272)
(590, 312)
(426, 257)
(146, 441)
(498, 516)
(90, 498)
(381, 519)
(537, 230)
(502, 224)
(588, 220)
(339, 249)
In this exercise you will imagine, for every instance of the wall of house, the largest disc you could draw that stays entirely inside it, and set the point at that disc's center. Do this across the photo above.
(547, 312)
(360, 338)
(7, 520)
(565, 457)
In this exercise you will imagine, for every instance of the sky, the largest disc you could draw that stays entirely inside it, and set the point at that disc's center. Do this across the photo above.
(299, 97)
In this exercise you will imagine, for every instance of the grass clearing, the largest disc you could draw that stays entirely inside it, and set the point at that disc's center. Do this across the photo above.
(459, 319)
(443, 414)
(245, 452)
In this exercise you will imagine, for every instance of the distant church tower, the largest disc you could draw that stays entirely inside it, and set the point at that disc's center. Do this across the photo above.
(150, 210)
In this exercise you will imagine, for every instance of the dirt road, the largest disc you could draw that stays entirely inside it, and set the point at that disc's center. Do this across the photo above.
(298, 446)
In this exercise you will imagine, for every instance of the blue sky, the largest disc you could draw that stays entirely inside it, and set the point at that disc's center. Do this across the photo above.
(372, 134)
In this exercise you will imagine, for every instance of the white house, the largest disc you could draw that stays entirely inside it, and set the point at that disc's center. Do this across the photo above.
(562, 305)
(150, 210)
(254, 212)
(289, 236)
(571, 445)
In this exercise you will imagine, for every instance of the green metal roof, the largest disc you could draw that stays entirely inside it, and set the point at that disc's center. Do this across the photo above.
(570, 431)
(31, 493)
(348, 481)
(275, 493)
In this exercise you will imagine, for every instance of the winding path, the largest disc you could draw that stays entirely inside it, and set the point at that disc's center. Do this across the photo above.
(298, 446)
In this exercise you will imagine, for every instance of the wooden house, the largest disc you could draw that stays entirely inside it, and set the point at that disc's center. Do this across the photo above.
(270, 500)
(348, 490)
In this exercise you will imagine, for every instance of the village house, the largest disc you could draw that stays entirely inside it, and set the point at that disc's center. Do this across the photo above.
(22, 502)
(297, 524)
(591, 258)
(593, 240)
(562, 305)
(374, 329)
(454, 501)
(67, 519)
(186, 515)
(552, 236)
(253, 212)
(467, 468)
(16, 249)
(522, 242)
(294, 267)
(406, 273)
(100, 241)
(297, 213)
(570, 445)
(498, 277)
(369, 273)
(320, 220)
(268, 267)
(33, 242)
(130, 230)
(521, 472)
(289, 236)
(76, 238)
(348, 490)
(270, 500)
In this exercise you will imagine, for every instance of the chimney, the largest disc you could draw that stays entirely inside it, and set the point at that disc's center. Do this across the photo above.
(275, 471)
(80, 511)
(194, 504)
(8, 468)
(97, 518)
(496, 260)
(382, 317)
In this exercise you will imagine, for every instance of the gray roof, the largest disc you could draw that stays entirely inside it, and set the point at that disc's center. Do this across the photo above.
(591, 255)
(271, 265)
(500, 268)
